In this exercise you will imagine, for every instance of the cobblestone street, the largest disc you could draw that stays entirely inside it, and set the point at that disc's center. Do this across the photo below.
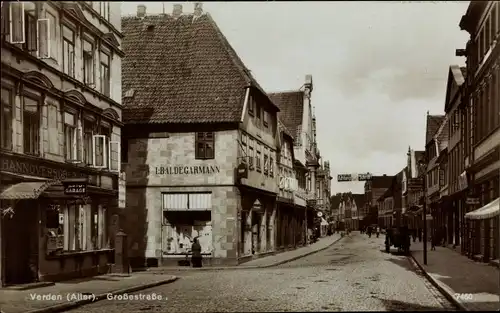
(351, 275)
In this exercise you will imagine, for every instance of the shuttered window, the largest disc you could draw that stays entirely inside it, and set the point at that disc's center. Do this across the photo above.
(187, 201)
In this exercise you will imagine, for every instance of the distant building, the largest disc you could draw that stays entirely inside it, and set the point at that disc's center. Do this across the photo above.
(374, 188)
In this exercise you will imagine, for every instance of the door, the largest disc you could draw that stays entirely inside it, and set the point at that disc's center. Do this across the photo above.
(21, 244)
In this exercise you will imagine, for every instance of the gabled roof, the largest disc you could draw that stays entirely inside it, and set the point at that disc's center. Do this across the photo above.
(284, 129)
(181, 70)
(291, 106)
(442, 135)
(456, 79)
(381, 181)
(433, 123)
(359, 199)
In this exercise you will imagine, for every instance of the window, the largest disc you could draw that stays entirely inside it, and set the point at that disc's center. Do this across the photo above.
(251, 105)
(105, 78)
(68, 51)
(271, 167)
(76, 227)
(104, 9)
(251, 155)
(43, 39)
(494, 102)
(6, 120)
(17, 22)
(88, 63)
(100, 145)
(31, 126)
(265, 118)
(258, 158)
(244, 148)
(72, 138)
(257, 110)
(88, 133)
(30, 25)
(266, 168)
(52, 36)
(204, 145)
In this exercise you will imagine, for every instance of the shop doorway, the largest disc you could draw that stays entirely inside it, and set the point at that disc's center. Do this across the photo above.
(256, 222)
(21, 244)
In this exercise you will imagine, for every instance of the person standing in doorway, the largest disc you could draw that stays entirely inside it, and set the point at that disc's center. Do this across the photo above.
(196, 259)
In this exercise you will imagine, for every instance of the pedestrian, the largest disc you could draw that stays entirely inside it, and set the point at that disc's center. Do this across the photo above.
(378, 230)
(414, 234)
(196, 258)
(369, 231)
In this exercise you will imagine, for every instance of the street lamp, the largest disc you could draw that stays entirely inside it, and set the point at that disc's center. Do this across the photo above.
(423, 167)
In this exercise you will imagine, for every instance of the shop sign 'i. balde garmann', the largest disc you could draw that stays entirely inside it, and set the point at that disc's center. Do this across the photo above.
(187, 170)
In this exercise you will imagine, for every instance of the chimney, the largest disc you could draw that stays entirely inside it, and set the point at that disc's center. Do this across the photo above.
(141, 10)
(309, 82)
(177, 10)
(198, 9)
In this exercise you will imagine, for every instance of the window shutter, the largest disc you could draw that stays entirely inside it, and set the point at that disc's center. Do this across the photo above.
(105, 152)
(16, 18)
(79, 145)
(114, 156)
(43, 33)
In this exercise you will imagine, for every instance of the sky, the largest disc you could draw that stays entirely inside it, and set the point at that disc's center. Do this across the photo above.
(377, 67)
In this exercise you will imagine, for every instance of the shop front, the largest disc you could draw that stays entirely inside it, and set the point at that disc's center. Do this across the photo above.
(60, 214)
(258, 216)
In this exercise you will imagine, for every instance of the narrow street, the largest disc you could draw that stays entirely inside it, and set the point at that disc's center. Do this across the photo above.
(354, 274)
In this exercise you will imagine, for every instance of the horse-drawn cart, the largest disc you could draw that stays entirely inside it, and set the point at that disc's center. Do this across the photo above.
(399, 238)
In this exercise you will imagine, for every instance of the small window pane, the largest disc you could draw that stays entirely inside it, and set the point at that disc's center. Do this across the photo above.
(69, 118)
(68, 34)
(30, 105)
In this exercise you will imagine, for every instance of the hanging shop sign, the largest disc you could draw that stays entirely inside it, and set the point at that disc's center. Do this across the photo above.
(75, 188)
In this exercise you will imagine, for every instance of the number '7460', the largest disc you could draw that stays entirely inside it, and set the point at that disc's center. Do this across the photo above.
(463, 296)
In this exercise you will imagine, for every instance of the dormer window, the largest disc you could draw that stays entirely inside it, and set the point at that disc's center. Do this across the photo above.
(265, 119)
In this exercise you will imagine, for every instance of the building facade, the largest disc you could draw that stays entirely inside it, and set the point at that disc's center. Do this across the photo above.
(412, 188)
(297, 115)
(201, 156)
(456, 177)
(482, 137)
(436, 141)
(290, 217)
(60, 138)
(374, 188)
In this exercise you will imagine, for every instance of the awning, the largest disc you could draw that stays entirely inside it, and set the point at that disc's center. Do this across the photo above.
(25, 190)
(490, 210)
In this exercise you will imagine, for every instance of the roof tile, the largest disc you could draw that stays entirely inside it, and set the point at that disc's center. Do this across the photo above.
(291, 105)
(433, 123)
(183, 70)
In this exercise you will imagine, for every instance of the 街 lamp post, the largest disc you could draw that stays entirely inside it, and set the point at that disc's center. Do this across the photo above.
(423, 168)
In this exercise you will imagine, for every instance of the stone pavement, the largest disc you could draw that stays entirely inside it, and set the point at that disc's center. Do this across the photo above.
(69, 294)
(471, 285)
(264, 262)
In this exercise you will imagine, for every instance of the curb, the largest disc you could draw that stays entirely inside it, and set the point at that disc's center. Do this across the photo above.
(443, 291)
(243, 267)
(301, 256)
(74, 304)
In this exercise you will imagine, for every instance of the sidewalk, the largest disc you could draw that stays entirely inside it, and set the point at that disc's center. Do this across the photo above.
(472, 286)
(71, 294)
(268, 261)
